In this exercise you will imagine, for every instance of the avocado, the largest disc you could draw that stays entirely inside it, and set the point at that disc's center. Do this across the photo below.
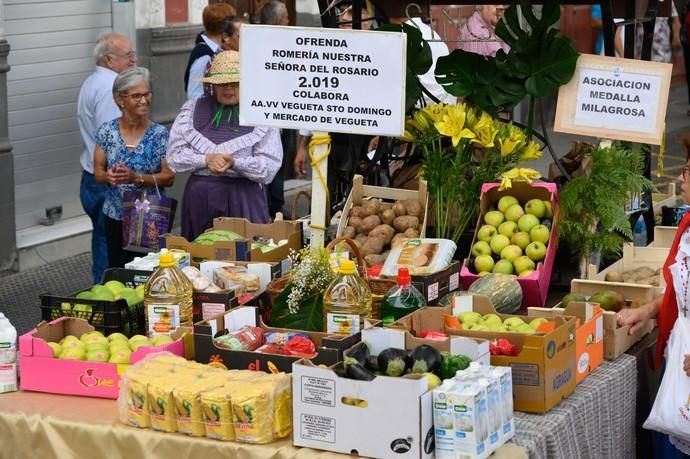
(570, 297)
(608, 300)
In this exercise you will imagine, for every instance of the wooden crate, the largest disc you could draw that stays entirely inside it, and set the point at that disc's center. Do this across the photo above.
(669, 199)
(634, 257)
(663, 236)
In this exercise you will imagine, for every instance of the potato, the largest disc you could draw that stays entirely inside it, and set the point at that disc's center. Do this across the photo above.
(372, 206)
(398, 239)
(369, 223)
(373, 260)
(349, 232)
(358, 211)
(356, 223)
(399, 209)
(385, 231)
(401, 224)
(361, 239)
(613, 277)
(413, 207)
(412, 233)
(373, 246)
(387, 216)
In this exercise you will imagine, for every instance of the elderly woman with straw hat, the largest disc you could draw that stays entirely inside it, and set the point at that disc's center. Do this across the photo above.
(230, 163)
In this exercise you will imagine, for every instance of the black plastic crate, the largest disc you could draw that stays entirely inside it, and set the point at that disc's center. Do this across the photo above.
(105, 316)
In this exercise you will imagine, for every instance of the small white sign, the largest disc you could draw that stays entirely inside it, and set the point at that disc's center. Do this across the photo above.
(615, 98)
(328, 80)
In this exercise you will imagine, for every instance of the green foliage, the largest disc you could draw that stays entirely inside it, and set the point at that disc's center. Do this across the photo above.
(309, 317)
(592, 206)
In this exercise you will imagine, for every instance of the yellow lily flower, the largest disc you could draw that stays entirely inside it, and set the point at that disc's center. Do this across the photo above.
(407, 136)
(522, 174)
(435, 112)
(532, 152)
(485, 129)
(453, 125)
(421, 120)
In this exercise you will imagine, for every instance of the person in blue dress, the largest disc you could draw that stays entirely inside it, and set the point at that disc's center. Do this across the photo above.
(129, 155)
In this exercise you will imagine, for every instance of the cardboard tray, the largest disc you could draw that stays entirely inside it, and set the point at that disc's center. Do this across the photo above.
(329, 347)
(635, 257)
(535, 288)
(40, 372)
(663, 236)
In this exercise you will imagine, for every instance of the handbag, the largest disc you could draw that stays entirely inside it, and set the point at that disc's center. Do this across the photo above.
(145, 218)
(671, 411)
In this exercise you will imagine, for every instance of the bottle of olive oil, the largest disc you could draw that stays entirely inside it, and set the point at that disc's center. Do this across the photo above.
(167, 298)
(346, 302)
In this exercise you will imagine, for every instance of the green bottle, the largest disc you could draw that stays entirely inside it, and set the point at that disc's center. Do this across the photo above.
(400, 300)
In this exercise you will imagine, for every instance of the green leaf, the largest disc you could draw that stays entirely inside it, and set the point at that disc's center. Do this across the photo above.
(553, 68)
(309, 317)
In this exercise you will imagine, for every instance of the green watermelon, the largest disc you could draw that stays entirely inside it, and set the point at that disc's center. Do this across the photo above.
(503, 290)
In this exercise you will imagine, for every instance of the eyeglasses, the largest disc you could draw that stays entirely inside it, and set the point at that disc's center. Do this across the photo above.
(231, 85)
(138, 96)
(129, 55)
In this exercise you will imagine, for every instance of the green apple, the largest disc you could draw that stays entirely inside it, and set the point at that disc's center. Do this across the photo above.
(483, 263)
(95, 339)
(137, 344)
(488, 319)
(521, 239)
(66, 306)
(479, 327)
(72, 353)
(494, 218)
(523, 263)
(117, 336)
(140, 292)
(527, 273)
(117, 345)
(98, 355)
(540, 233)
(505, 202)
(549, 210)
(162, 339)
(85, 336)
(503, 267)
(483, 273)
(524, 328)
(114, 286)
(536, 251)
(511, 253)
(534, 324)
(130, 297)
(481, 248)
(498, 243)
(138, 338)
(486, 232)
(96, 289)
(469, 317)
(72, 342)
(512, 322)
(536, 207)
(527, 222)
(120, 356)
(508, 228)
(86, 295)
(514, 213)
(56, 348)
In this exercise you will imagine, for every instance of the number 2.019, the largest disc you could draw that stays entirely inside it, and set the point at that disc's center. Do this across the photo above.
(319, 82)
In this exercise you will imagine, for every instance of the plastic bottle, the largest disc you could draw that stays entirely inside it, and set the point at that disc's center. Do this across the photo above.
(167, 298)
(640, 233)
(400, 300)
(8, 356)
(346, 301)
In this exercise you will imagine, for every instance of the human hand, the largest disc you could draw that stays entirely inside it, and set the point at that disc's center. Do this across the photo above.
(686, 365)
(635, 318)
(218, 163)
(120, 175)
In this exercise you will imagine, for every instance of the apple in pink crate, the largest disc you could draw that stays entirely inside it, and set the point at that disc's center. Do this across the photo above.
(521, 239)
(523, 264)
(511, 253)
(494, 218)
(514, 212)
(72, 353)
(498, 243)
(536, 207)
(97, 355)
(536, 251)
(484, 263)
(508, 228)
(540, 233)
(527, 222)
(120, 356)
(486, 232)
(56, 348)
(503, 267)
(70, 341)
(505, 202)
(549, 210)
(481, 248)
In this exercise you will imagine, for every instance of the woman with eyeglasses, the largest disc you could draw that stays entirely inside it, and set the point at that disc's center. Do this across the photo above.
(478, 34)
(667, 309)
(230, 164)
(129, 155)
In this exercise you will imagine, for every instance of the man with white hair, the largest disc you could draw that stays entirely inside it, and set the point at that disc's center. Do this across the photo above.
(95, 106)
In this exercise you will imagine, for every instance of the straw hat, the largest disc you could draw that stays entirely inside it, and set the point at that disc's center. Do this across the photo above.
(224, 69)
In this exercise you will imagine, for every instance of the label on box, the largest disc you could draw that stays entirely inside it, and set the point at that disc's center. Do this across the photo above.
(454, 282)
(209, 310)
(583, 363)
(317, 428)
(525, 374)
(432, 292)
(8, 378)
(163, 319)
(599, 332)
(318, 391)
(342, 324)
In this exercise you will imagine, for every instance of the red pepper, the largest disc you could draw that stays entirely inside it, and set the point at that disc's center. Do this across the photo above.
(431, 334)
(300, 346)
(502, 346)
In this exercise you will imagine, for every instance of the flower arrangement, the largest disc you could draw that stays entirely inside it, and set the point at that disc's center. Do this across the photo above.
(462, 148)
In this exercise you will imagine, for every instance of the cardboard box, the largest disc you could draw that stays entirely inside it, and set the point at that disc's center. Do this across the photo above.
(389, 195)
(543, 371)
(322, 420)
(633, 258)
(240, 249)
(535, 287)
(436, 286)
(329, 347)
(664, 236)
(617, 339)
(40, 372)
(589, 334)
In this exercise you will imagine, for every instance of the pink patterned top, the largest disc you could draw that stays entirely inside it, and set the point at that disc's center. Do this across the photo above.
(480, 37)
(258, 155)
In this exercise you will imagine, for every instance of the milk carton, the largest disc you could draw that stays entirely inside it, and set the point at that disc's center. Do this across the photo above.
(8, 356)
(505, 379)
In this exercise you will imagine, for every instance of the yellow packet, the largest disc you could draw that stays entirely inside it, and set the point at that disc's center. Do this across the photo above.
(217, 414)
(137, 397)
(282, 405)
(252, 410)
(188, 403)
(162, 403)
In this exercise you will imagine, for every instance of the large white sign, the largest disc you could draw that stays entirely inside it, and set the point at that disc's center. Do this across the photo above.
(616, 99)
(326, 80)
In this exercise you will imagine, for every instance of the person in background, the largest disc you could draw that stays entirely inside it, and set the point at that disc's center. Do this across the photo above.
(685, 41)
(230, 163)
(597, 28)
(274, 12)
(213, 17)
(666, 37)
(230, 40)
(95, 106)
(672, 305)
(478, 35)
(129, 155)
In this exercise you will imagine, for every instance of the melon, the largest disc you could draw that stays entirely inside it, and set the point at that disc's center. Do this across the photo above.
(503, 290)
